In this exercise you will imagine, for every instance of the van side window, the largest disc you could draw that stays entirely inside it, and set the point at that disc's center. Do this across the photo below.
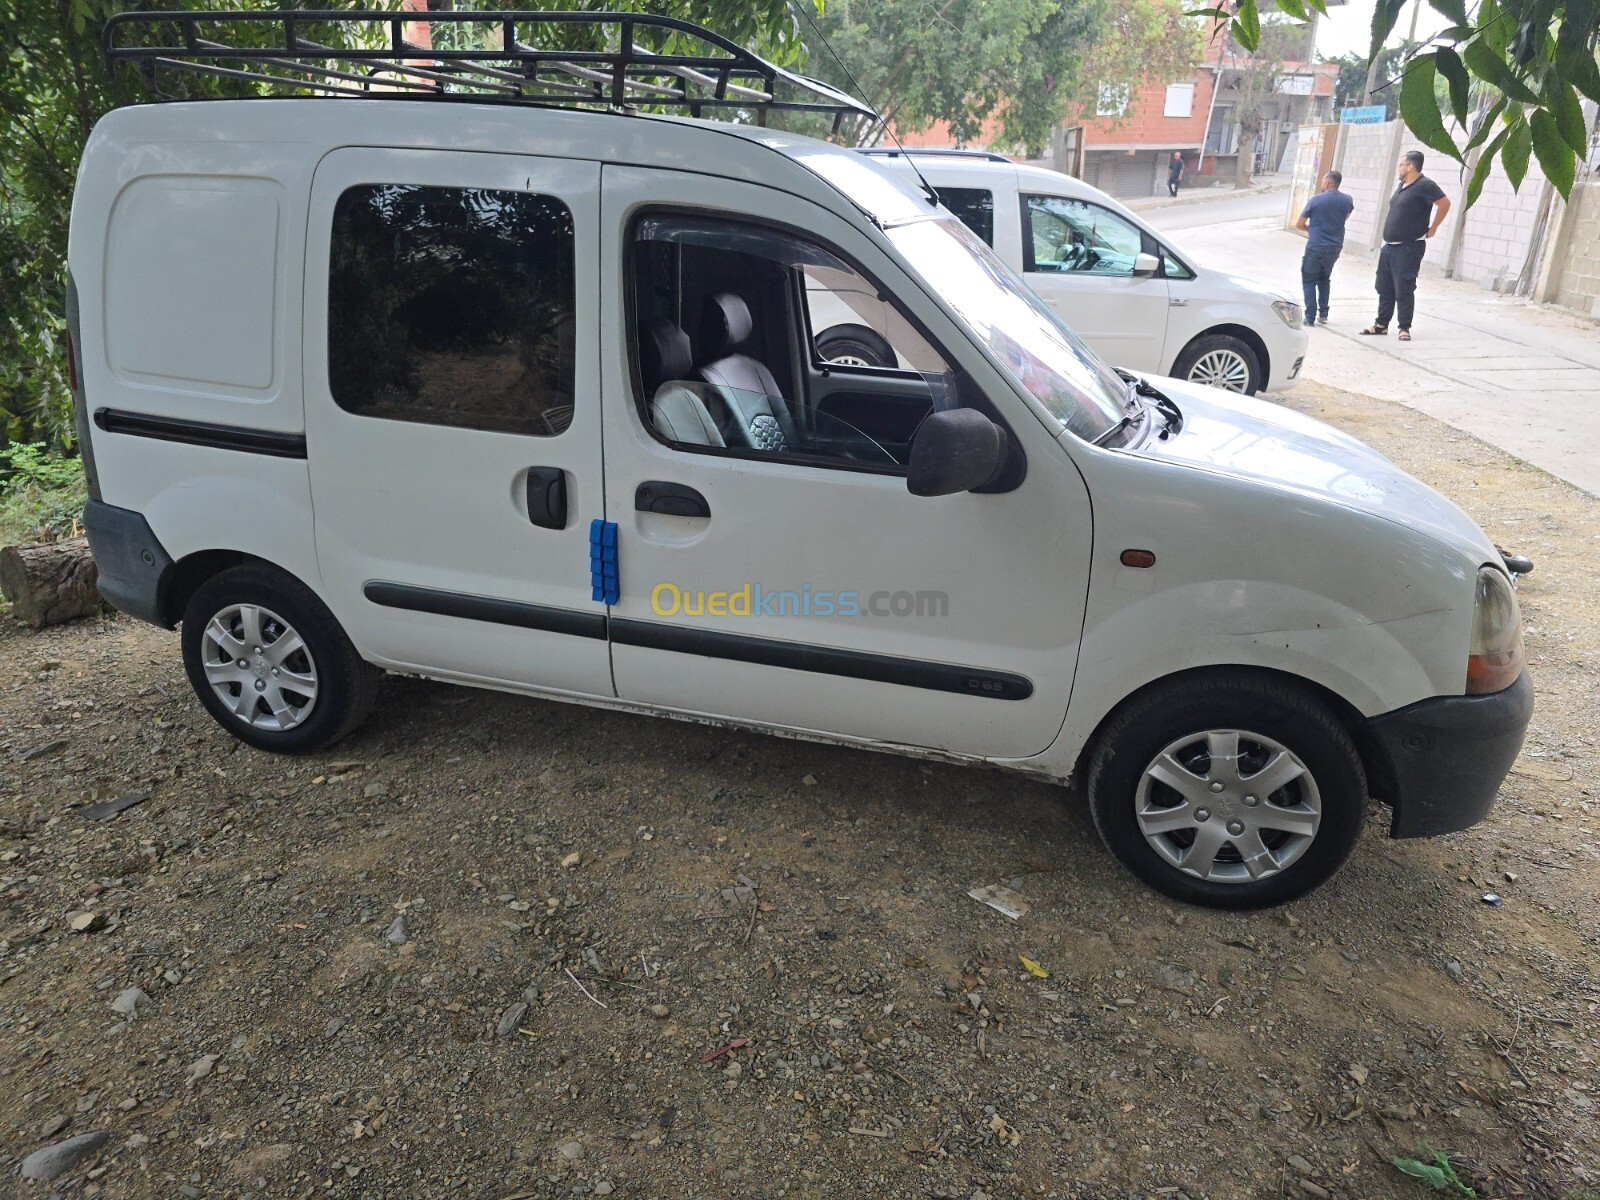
(453, 306)
(1061, 235)
(974, 207)
(755, 342)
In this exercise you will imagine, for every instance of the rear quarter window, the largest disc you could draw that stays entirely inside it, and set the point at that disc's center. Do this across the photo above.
(974, 207)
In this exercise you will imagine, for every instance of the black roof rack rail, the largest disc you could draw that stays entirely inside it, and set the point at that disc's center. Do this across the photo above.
(504, 64)
(918, 152)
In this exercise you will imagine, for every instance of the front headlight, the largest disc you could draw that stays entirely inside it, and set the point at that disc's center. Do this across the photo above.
(1495, 658)
(1288, 311)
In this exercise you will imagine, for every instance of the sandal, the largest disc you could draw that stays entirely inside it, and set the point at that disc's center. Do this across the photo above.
(1405, 335)
(1375, 330)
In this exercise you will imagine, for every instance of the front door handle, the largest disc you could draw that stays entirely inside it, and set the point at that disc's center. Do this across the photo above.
(547, 497)
(670, 499)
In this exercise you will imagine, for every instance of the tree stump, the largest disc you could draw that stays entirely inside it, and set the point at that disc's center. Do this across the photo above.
(50, 582)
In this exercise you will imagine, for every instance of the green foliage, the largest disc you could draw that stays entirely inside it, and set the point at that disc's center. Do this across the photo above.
(1017, 66)
(41, 494)
(54, 87)
(1433, 1167)
(1540, 55)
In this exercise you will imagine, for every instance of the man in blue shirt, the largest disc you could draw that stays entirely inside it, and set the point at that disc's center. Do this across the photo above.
(1323, 219)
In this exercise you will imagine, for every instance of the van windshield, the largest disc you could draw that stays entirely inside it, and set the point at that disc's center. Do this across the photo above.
(1037, 348)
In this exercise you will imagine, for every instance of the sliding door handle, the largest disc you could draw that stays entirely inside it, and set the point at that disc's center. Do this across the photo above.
(670, 499)
(547, 497)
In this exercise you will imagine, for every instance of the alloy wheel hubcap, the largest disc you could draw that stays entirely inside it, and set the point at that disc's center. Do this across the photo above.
(1224, 369)
(259, 667)
(849, 360)
(1228, 806)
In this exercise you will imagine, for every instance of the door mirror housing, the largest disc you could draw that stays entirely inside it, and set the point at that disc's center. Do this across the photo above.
(955, 450)
(1145, 265)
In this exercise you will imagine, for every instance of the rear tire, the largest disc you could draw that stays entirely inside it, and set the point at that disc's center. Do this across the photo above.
(271, 664)
(855, 346)
(1222, 361)
(1230, 790)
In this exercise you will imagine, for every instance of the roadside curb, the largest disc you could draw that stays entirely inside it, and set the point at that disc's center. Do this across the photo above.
(1202, 196)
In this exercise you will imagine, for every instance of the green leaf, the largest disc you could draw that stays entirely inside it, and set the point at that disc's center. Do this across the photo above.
(1247, 25)
(1486, 123)
(1384, 14)
(1481, 172)
(1492, 69)
(1568, 110)
(1587, 77)
(1496, 26)
(1424, 1171)
(1452, 10)
(1519, 145)
(1556, 157)
(1455, 74)
(1293, 8)
(1420, 110)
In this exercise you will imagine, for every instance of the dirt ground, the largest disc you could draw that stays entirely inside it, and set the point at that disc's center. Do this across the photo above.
(334, 950)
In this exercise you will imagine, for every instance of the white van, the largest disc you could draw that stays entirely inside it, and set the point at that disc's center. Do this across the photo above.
(1138, 300)
(528, 398)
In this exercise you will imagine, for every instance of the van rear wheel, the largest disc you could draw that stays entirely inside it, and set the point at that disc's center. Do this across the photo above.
(1232, 791)
(271, 664)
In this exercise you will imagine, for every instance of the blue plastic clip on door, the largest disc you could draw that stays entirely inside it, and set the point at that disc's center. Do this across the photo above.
(603, 560)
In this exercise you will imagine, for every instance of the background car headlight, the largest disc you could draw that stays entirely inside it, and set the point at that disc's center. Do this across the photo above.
(1289, 311)
(1496, 656)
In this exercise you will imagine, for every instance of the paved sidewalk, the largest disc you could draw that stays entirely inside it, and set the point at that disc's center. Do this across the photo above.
(1523, 377)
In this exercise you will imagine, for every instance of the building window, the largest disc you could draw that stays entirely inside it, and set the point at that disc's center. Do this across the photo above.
(453, 306)
(1180, 100)
(1113, 100)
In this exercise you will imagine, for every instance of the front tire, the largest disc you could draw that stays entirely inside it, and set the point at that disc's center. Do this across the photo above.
(854, 346)
(1220, 360)
(271, 664)
(1231, 790)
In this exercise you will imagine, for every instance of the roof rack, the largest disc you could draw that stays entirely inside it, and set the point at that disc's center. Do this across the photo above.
(482, 55)
(918, 152)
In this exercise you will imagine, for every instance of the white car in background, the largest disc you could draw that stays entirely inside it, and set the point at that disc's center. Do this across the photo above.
(1138, 301)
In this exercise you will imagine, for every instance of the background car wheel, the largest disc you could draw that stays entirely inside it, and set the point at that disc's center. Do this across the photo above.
(1232, 790)
(1221, 361)
(854, 346)
(270, 663)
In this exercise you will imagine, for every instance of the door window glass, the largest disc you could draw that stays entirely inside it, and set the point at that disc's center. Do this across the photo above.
(754, 341)
(453, 306)
(1064, 235)
(975, 207)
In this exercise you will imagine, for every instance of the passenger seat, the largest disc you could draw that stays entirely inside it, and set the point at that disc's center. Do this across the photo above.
(664, 361)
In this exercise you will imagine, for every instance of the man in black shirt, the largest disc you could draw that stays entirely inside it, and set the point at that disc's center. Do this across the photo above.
(1416, 210)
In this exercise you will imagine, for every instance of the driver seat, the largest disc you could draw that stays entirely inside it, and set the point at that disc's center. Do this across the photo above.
(742, 383)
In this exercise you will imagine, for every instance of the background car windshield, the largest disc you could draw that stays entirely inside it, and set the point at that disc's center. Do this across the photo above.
(1038, 350)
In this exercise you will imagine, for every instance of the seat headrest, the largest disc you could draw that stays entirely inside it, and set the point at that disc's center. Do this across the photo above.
(664, 353)
(724, 324)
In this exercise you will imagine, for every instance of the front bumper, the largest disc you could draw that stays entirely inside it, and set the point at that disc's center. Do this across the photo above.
(1447, 756)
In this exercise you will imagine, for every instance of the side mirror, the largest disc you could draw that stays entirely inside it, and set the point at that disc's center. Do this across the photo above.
(1145, 265)
(953, 451)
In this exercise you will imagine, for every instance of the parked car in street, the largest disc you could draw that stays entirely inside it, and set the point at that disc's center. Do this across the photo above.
(1139, 301)
(526, 396)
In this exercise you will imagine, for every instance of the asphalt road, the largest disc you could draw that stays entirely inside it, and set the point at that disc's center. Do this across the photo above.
(1224, 209)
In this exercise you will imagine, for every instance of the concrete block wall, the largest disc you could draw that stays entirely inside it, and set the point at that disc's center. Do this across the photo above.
(1368, 171)
(1500, 229)
(1579, 284)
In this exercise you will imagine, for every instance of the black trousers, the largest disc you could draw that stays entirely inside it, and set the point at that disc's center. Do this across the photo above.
(1172, 185)
(1397, 280)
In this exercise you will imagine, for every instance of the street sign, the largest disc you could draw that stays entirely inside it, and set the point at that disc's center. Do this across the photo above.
(1371, 114)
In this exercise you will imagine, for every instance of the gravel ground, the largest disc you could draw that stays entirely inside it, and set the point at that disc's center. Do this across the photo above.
(493, 947)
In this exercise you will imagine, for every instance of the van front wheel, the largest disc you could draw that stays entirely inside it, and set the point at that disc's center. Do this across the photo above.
(1232, 791)
(1220, 361)
(270, 663)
